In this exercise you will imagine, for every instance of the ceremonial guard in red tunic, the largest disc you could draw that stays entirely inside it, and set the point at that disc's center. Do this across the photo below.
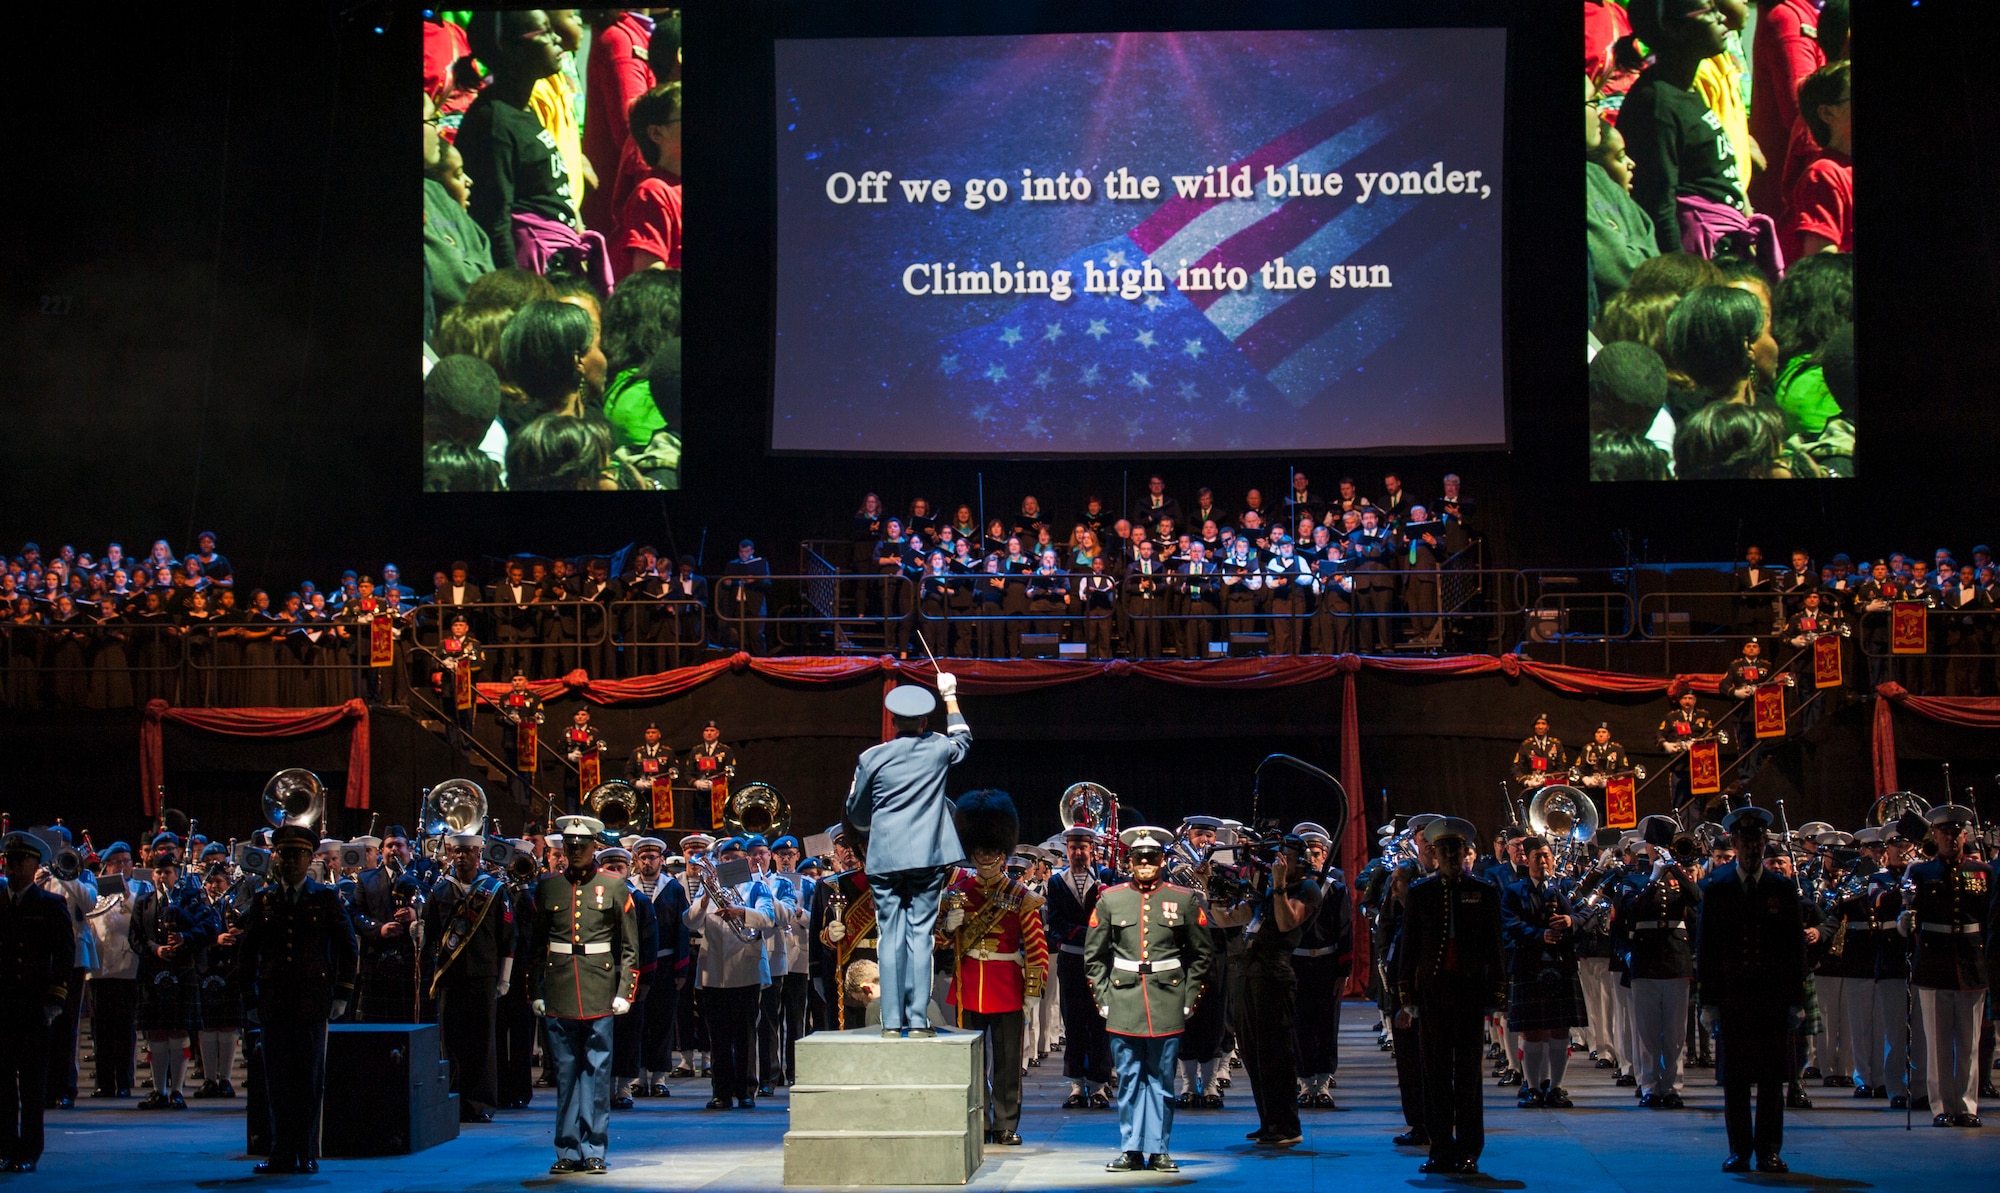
(1000, 959)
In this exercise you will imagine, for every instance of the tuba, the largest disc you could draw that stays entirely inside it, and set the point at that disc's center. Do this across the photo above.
(453, 806)
(757, 808)
(1566, 816)
(294, 796)
(615, 802)
(1888, 808)
(1091, 805)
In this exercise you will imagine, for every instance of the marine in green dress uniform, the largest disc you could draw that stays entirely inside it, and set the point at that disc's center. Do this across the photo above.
(1147, 955)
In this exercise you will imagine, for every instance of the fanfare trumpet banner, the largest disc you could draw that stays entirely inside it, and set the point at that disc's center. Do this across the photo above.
(1705, 767)
(1621, 801)
(1909, 628)
(1826, 662)
(1769, 709)
(381, 642)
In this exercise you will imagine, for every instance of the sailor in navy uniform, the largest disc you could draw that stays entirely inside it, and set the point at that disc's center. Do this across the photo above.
(1072, 896)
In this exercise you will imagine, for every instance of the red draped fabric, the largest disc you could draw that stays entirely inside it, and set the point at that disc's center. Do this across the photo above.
(1000, 677)
(252, 722)
(1967, 712)
(1353, 844)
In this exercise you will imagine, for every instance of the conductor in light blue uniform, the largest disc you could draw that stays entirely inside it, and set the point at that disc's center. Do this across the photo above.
(898, 799)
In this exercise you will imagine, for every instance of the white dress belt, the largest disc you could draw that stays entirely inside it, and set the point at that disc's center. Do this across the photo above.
(990, 955)
(595, 946)
(1131, 966)
(1967, 929)
(1643, 924)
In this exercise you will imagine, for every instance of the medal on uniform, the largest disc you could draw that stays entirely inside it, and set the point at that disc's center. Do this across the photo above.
(1172, 911)
(600, 896)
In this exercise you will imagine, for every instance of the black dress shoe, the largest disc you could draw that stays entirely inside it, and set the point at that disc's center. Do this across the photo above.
(308, 1167)
(1796, 1099)
(1769, 1162)
(276, 1168)
(746, 1103)
(1920, 1102)
(1279, 1138)
(1076, 1102)
(1671, 1101)
(224, 1090)
(660, 1090)
(1511, 1077)
(176, 1102)
(1099, 1102)
(1211, 1101)
(1468, 1166)
(1007, 1138)
(1967, 1120)
(153, 1101)
(1649, 1100)
(1161, 1162)
(63, 1103)
(595, 1166)
(1899, 1102)
(1127, 1162)
(104, 1093)
(477, 1116)
(1942, 1120)
(1605, 1062)
(681, 1071)
(1811, 1072)
(1530, 1099)
(1627, 1080)
(717, 1104)
(1862, 1091)
(1412, 1138)
(1438, 1164)
(624, 1103)
(764, 1091)
(563, 1167)
(1257, 1135)
(207, 1090)
(640, 1089)
(1736, 1163)
(21, 1166)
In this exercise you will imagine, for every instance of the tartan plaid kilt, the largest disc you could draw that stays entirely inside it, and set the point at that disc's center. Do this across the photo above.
(1551, 999)
(169, 1001)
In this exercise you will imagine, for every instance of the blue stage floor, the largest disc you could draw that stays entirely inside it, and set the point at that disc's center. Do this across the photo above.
(1606, 1143)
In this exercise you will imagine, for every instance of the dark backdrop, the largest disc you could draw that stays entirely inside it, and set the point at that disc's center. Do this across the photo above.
(226, 211)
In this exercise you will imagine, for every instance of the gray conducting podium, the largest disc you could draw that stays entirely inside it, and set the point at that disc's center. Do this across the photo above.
(870, 1111)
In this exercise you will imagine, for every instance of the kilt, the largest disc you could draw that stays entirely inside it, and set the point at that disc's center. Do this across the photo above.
(221, 1003)
(169, 1001)
(1548, 1000)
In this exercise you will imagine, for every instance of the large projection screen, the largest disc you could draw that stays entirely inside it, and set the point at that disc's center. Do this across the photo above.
(1180, 243)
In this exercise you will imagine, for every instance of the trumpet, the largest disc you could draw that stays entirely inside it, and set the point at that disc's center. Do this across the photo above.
(722, 896)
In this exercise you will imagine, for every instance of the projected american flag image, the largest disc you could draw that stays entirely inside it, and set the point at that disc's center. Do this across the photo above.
(1314, 264)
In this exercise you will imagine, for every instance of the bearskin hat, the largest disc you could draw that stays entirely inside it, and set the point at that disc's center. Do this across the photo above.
(986, 820)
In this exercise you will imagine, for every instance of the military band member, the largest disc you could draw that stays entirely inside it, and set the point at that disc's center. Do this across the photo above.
(1949, 913)
(39, 948)
(170, 931)
(1600, 758)
(295, 962)
(735, 967)
(1323, 959)
(1658, 911)
(583, 957)
(1906, 1054)
(1539, 759)
(585, 748)
(469, 962)
(221, 996)
(521, 707)
(1682, 727)
(790, 995)
(1000, 958)
(459, 657)
(1148, 956)
(1846, 975)
(1448, 975)
(1544, 994)
(1748, 672)
(844, 924)
(1073, 894)
(650, 881)
(1207, 1030)
(628, 1031)
(1753, 980)
(710, 762)
(898, 798)
(651, 768)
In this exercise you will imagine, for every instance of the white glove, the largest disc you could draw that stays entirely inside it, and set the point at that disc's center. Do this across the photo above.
(500, 989)
(50, 1014)
(539, 1007)
(1906, 923)
(1660, 866)
(704, 784)
(1104, 1012)
(338, 1010)
(947, 685)
(836, 931)
(953, 918)
(620, 1005)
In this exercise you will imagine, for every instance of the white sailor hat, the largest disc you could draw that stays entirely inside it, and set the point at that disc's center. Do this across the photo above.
(615, 853)
(1214, 822)
(642, 844)
(696, 841)
(1309, 831)
(909, 700)
(370, 842)
(472, 839)
(1079, 832)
